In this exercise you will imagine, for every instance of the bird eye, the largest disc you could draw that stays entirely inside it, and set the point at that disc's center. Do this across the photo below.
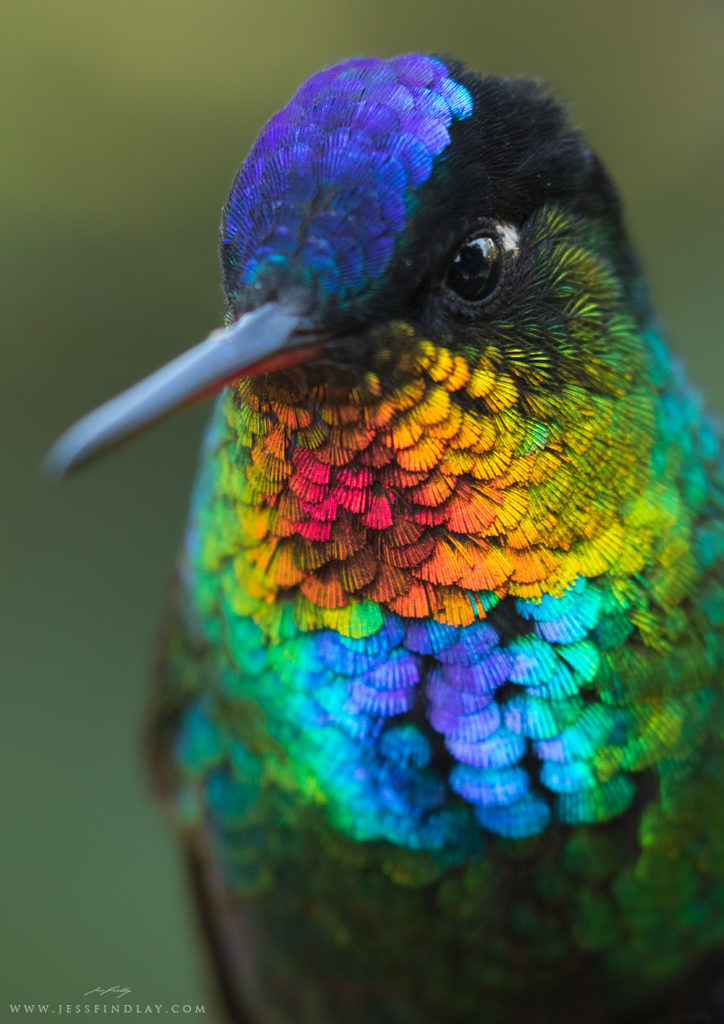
(476, 268)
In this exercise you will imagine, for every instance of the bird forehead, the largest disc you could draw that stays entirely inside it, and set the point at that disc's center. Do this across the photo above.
(329, 179)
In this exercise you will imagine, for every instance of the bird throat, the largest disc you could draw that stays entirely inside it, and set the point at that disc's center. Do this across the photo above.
(436, 484)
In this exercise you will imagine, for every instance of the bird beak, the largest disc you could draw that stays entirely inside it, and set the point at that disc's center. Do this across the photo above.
(266, 339)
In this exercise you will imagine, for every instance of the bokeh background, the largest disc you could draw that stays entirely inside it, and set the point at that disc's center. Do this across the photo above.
(125, 124)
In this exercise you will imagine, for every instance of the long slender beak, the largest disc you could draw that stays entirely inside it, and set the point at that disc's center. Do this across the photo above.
(258, 342)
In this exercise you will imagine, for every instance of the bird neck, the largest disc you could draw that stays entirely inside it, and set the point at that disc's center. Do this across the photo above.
(443, 481)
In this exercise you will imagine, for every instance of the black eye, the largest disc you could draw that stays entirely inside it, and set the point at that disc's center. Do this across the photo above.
(475, 271)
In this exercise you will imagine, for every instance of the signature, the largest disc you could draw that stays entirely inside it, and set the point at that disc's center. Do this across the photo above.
(116, 990)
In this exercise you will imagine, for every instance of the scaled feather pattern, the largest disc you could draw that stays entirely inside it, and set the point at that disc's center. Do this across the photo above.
(328, 177)
(454, 617)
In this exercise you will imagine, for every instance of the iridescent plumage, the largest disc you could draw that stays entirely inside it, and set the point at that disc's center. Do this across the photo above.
(440, 713)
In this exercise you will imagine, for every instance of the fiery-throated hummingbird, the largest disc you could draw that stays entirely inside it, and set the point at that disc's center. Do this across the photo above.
(438, 710)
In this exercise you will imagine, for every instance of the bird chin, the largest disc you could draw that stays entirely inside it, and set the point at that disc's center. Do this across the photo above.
(305, 352)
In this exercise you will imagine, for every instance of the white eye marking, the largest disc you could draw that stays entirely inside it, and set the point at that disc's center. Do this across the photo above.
(509, 238)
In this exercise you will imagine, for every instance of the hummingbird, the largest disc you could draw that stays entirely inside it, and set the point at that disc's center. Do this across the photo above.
(437, 712)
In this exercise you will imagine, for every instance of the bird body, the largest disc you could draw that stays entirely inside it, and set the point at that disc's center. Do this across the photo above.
(439, 707)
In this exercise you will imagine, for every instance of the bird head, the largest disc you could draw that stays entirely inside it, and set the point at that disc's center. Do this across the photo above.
(411, 192)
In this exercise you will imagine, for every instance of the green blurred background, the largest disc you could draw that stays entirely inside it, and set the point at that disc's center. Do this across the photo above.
(126, 123)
